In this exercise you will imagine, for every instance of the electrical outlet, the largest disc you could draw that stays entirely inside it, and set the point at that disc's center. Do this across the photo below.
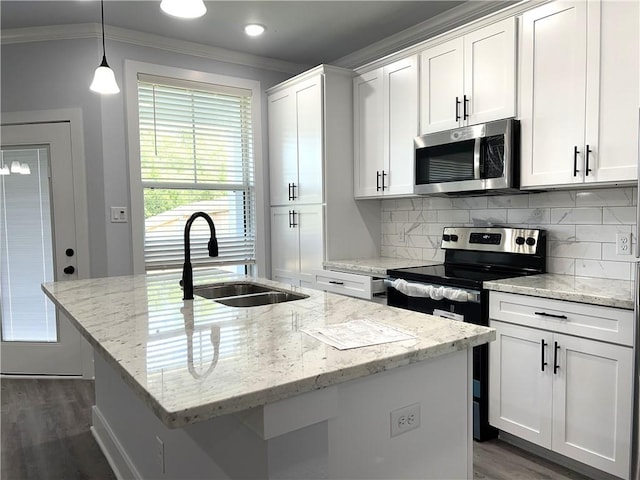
(160, 454)
(119, 215)
(405, 419)
(401, 235)
(623, 244)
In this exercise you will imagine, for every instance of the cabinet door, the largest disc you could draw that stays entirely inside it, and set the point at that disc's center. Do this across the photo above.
(310, 227)
(283, 148)
(592, 403)
(519, 383)
(285, 249)
(308, 94)
(490, 72)
(612, 90)
(441, 86)
(552, 93)
(369, 133)
(401, 124)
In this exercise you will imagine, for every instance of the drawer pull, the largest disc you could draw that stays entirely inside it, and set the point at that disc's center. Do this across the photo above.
(336, 283)
(542, 362)
(556, 367)
(545, 314)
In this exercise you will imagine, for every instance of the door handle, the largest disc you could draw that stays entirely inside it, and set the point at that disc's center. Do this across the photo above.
(293, 191)
(552, 315)
(575, 161)
(587, 169)
(69, 252)
(457, 109)
(289, 195)
(383, 175)
(70, 270)
(542, 362)
(290, 223)
(465, 102)
(293, 217)
(377, 181)
(336, 283)
(556, 367)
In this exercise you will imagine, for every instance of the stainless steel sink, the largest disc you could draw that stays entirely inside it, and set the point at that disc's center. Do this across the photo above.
(261, 299)
(231, 289)
(245, 294)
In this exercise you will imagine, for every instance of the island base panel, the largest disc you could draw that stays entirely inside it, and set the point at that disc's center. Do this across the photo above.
(349, 439)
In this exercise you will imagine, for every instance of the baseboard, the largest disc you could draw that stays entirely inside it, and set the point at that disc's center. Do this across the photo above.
(119, 461)
(554, 457)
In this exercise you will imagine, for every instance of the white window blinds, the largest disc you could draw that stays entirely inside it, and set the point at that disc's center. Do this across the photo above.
(196, 154)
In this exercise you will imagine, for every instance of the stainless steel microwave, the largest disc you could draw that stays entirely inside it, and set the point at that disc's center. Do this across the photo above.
(478, 159)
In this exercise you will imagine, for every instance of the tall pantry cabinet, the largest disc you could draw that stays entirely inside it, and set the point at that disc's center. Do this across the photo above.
(314, 216)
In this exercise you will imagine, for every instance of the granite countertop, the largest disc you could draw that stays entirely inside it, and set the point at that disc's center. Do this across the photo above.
(377, 266)
(596, 291)
(190, 361)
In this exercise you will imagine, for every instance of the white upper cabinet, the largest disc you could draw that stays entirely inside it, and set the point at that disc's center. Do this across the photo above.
(469, 80)
(385, 123)
(295, 143)
(579, 93)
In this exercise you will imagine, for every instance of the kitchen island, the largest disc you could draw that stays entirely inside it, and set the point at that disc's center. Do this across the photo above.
(198, 389)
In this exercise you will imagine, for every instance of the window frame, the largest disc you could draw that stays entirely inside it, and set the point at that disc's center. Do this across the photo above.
(132, 70)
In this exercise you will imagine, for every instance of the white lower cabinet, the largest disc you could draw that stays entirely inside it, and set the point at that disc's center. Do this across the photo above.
(297, 248)
(569, 394)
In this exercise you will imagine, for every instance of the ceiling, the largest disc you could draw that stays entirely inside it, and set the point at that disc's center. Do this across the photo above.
(301, 32)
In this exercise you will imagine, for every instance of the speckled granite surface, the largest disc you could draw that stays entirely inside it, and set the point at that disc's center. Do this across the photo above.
(374, 266)
(596, 291)
(194, 360)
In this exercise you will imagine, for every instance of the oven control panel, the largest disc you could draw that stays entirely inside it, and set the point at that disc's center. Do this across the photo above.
(493, 239)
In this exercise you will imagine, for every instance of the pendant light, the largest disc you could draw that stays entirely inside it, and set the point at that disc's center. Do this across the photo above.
(184, 8)
(104, 81)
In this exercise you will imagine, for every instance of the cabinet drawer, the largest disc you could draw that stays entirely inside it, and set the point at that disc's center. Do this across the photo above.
(608, 324)
(361, 286)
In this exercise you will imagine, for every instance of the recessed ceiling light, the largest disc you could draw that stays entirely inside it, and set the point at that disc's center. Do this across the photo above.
(253, 29)
(184, 8)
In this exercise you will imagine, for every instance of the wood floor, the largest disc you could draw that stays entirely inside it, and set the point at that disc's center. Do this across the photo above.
(45, 436)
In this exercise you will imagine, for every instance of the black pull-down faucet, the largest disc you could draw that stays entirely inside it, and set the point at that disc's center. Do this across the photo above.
(187, 272)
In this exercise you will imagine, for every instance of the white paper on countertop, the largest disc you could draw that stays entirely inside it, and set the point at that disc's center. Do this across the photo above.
(356, 334)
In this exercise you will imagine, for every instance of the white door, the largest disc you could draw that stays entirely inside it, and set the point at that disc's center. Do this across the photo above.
(401, 124)
(490, 72)
(441, 87)
(592, 403)
(368, 133)
(285, 249)
(309, 136)
(38, 244)
(283, 148)
(520, 370)
(309, 223)
(552, 94)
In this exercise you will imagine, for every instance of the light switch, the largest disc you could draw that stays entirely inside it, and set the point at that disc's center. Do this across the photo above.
(119, 215)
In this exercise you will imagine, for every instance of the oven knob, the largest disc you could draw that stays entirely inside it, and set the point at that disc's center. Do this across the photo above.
(454, 238)
(446, 237)
(519, 240)
(531, 241)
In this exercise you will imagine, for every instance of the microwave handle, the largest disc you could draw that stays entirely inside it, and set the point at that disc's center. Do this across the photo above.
(476, 158)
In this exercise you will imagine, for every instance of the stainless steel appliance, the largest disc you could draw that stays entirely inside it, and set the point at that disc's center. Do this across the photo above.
(454, 289)
(635, 444)
(481, 159)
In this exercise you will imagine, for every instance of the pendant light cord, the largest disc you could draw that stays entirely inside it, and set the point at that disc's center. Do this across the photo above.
(104, 50)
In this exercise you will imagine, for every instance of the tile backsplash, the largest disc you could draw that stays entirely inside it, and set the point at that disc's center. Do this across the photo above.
(581, 226)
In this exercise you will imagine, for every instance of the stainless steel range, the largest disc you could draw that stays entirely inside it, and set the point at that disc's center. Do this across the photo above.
(454, 289)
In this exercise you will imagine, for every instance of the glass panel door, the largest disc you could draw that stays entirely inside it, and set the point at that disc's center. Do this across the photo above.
(26, 250)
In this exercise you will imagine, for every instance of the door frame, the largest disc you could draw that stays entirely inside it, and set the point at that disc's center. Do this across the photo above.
(74, 117)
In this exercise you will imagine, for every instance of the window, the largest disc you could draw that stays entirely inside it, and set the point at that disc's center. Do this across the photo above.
(196, 154)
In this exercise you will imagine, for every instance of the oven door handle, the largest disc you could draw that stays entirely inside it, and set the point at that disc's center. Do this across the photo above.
(435, 292)
(476, 159)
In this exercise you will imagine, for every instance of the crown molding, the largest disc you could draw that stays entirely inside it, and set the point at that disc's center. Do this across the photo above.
(93, 30)
(445, 22)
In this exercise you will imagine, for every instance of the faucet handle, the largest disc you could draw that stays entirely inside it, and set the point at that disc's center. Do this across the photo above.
(213, 247)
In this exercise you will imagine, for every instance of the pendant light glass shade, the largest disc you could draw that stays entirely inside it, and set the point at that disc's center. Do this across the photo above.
(4, 170)
(16, 167)
(184, 8)
(104, 80)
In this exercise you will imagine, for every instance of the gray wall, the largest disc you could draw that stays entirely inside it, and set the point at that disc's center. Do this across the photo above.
(56, 75)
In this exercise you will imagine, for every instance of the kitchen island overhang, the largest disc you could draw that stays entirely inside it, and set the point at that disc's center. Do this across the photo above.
(192, 362)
